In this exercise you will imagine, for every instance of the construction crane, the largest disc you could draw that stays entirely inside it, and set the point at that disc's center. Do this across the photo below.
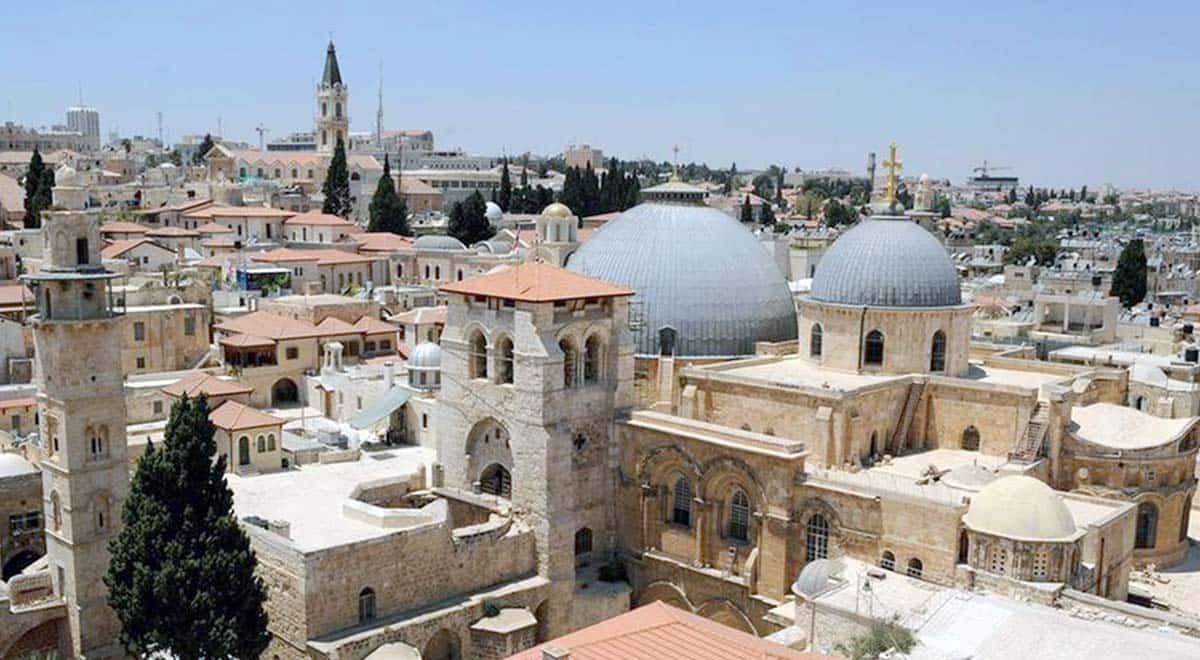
(260, 129)
(983, 169)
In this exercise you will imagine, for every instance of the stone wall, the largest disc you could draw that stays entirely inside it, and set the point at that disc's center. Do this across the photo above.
(19, 496)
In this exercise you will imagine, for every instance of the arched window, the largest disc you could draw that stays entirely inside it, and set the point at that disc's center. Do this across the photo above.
(478, 356)
(55, 511)
(998, 564)
(874, 444)
(816, 544)
(583, 546)
(366, 605)
(681, 505)
(739, 516)
(1140, 403)
(914, 568)
(337, 110)
(937, 354)
(262, 444)
(888, 561)
(814, 340)
(873, 349)
(243, 450)
(569, 361)
(271, 442)
(964, 547)
(1147, 525)
(591, 359)
(505, 364)
(970, 438)
(496, 480)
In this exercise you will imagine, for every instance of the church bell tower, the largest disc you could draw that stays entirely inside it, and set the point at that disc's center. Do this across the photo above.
(333, 120)
(80, 391)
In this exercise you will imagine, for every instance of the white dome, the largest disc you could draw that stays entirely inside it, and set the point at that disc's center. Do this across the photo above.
(427, 355)
(1021, 507)
(493, 212)
(12, 465)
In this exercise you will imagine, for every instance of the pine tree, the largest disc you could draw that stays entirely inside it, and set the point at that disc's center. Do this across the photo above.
(34, 179)
(767, 218)
(747, 212)
(337, 184)
(525, 170)
(468, 220)
(206, 145)
(181, 579)
(505, 197)
(387, 209)
(1129, 279)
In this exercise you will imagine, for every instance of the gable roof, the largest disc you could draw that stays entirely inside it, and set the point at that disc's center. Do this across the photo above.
(234, 416)
(211, 227)
(172, 232)
(537, 282)
(657, 631)
(119, 227)
(381, 241)
(199, 382)
(319, 219)
(117, 248)
(369, 325)
(326, 257)
(422, 315)
(271, 326)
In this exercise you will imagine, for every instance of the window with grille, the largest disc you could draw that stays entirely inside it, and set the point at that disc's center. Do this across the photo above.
(873, 348)
(366, 605)
(817, 538)
(937, 358)
(22, 523)
(915, 568)
(814, 341)
(681, 510)
(1041, 565)
(999, 562)
(887, 561)
(739, 517)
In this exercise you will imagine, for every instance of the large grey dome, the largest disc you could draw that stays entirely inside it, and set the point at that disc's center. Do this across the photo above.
(696, 270)
(887, 262)
(438, 242)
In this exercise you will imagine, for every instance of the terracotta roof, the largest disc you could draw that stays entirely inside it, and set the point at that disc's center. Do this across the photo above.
(234, 416)
(248, 212)
(381, 241)
(23, 402)
(327, 257)
(422, 315)
(172, 232)
(14, 295)
(117, 248)
(247, 341)
(189, 205)
(122, 228)
(335, 326)
(222, 241)
(318, 218)
(370, 325)
(527, 236)
(199, 382)
(213, 228)
(266, 324)
(658, 632)
(537, 282)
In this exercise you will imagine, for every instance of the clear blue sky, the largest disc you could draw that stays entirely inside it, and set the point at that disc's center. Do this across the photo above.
(1067, 93)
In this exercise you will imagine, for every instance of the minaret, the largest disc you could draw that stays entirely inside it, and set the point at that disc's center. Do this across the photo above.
(379, 113)
(81, 403)
(333, 122)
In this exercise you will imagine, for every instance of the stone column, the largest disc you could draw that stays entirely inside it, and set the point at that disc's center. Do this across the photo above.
(700, 528)
(649, 495)
(774, 531)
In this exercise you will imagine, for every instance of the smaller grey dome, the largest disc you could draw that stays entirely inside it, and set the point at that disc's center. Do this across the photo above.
(426, 356)
(493, 246)
(493, 212)
(438, 242)
(815, 577)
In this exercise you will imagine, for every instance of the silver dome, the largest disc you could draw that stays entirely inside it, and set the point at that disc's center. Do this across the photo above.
(427, 355)
(438, 242)
(887, 262)
(694, 269)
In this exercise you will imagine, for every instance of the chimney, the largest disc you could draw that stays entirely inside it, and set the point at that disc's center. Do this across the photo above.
(555, 653)
(281, 527)
(389, 375)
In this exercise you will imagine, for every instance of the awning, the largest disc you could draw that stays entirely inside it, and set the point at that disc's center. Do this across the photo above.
(381, 408)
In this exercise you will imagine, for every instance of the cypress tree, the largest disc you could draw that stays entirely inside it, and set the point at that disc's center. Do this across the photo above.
(505, 197)
(747, 212)
(337, 184)
(1129, 279)
(468, 220)
(181, 579)
(387, 209)
(34, 180)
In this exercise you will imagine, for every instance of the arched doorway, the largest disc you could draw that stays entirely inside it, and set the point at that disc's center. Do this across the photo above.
(244, 450)
(284, 392)
(667, 337)
(442, 646)
(17, 563)
(964, 547)
(496, 480)
(970, 438)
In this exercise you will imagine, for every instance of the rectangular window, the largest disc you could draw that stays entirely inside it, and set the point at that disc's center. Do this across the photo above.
(158, 407)
(141, 363)
(22, 523)
(189, 325)
(292, 353)
(139, 331)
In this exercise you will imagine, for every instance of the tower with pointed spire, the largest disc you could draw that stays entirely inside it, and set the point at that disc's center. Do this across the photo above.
(333, 120)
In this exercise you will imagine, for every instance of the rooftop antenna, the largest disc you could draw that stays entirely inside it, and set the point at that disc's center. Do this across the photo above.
(675, 164)
(379, 112)
(260, 129)
(158, 115)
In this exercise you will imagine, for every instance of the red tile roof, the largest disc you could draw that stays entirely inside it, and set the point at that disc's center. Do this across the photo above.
(326, 257)
(335, 326)
(14, 295)
(537, 282)
(247, 341)
(266, 324)
(117, 248)
(661, 632)
(369, 325)
(318, 218)
(234, 416)
(122, 228)
(422, 315)
(199, 382)
(213, 228)
(172, 232)
(381, 241)
(24, 402)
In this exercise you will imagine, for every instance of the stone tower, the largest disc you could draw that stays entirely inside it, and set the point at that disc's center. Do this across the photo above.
(333, 122)
(557, 235)
(81, 404)
(537, 363)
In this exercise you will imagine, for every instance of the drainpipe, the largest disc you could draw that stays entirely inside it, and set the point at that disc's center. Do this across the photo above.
(862, 325)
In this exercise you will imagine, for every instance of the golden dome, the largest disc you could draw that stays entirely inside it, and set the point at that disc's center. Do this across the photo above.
(557, 210)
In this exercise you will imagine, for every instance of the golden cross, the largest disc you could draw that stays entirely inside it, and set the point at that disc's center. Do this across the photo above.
(675, 165)
(894, 165)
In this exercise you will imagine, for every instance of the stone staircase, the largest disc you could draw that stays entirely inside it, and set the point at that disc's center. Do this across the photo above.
(900, 433)
(1029, 445)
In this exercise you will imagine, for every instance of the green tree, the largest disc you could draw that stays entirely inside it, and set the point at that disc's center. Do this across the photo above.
(881, 638)
(767, 218)
(337, 184)
(35, 178)
(468, 220)
(1043, 250)
(181, 578)
(747, 211)
(1129, 280)
(206, 145)
(387, 209)
(505, 197)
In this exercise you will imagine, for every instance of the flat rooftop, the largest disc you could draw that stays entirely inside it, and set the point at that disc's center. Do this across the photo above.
(1121, 427)
(996, 376)
(912, 466)
(310, 497)
(798, 372)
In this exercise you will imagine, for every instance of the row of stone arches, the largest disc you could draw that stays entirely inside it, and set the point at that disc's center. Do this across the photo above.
(721, 610)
